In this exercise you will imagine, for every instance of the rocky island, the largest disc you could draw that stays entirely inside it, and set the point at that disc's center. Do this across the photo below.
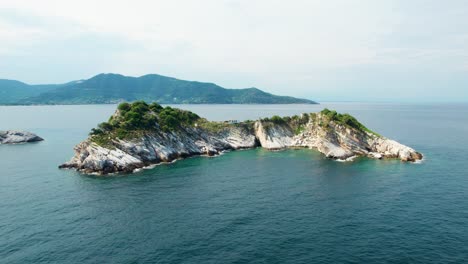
(140, 134)
(15, 137)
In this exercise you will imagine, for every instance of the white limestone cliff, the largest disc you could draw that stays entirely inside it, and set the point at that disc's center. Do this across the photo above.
(336, 141)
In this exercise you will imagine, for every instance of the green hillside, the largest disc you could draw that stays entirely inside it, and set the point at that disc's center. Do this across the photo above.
(114, 88)
(11, 92)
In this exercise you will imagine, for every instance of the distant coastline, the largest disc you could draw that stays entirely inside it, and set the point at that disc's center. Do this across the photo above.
(115, 88)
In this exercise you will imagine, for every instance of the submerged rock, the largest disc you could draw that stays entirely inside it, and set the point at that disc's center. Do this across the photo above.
(336, 136)
(15, 137)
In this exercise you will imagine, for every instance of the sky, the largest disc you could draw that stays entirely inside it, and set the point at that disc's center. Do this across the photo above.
(329, 50)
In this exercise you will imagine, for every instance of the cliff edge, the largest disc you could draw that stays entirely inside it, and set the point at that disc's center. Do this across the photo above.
(140, 135)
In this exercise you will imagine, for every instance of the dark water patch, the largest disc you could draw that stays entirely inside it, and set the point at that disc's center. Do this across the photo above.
(250, 206)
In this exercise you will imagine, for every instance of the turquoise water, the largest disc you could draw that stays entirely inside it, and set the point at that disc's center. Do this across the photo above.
(251, 206)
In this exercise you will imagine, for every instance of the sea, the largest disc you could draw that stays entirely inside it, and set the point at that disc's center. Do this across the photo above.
(249, 206)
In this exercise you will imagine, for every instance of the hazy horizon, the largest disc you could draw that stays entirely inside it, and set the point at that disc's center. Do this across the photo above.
(386, 51)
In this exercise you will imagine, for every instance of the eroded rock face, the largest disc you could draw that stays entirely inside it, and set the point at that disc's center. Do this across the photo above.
(273, 136)
(342, 142)
(16, 137)
(334, 140)
(126, 156)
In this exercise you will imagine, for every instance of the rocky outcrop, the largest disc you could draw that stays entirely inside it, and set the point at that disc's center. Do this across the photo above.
(157, 147)
(15, 137)
(334, 139)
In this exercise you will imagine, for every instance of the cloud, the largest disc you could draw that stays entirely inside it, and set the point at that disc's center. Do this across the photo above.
(38, 49)
(295, 47)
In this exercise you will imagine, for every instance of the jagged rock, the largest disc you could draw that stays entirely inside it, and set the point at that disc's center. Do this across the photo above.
(15, 137)
(272, 136)
(374, 155)
(335, 140)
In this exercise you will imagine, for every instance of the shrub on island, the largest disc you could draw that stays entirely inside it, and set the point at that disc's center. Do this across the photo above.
(344, 119)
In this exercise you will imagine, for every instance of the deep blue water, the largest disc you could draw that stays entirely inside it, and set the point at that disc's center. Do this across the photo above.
(251, 206)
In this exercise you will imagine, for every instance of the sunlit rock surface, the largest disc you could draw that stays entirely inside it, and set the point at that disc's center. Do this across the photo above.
(16, 137)
(315, 131)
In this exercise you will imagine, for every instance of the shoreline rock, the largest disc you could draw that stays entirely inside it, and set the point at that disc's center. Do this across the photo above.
(335, 139)
(17, 137)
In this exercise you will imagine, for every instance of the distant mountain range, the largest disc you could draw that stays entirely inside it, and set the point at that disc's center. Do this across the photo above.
(114, 88)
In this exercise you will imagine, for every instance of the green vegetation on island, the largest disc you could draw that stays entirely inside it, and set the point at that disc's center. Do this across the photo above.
(135, 119)
(296, 123)
(343, 119)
